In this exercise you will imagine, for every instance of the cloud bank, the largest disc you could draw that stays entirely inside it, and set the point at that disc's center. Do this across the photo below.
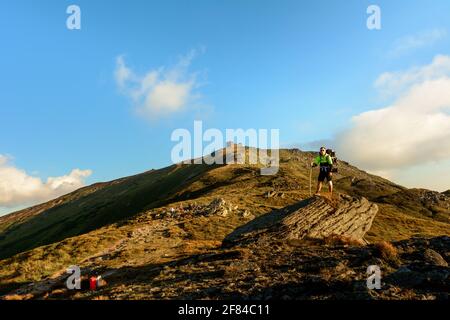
(18, 189)
(413, 130)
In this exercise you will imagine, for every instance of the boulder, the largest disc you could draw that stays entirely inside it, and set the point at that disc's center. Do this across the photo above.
(317, 217)
(434, 258)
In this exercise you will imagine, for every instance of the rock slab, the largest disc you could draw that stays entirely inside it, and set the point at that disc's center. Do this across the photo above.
(317, 218)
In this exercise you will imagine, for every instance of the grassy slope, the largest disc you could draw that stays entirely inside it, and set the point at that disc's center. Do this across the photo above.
(65, 227)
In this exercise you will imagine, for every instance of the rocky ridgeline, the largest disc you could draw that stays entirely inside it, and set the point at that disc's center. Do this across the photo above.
(431, 198)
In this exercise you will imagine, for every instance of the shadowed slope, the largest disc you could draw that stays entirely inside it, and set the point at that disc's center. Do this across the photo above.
(95, 207)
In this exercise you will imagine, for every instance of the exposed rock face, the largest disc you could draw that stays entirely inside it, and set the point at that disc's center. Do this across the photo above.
(313, 218)
(353, 218)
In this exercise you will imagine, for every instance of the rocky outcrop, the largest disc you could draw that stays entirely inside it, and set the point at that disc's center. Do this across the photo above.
(217, 207)
(317, 217)
(353, 218)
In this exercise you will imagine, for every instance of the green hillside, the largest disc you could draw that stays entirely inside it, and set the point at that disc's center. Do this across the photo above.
(163, 215)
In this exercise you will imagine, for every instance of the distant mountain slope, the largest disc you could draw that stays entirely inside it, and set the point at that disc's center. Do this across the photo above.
(25, 214)
(421, 202)
(92, 207)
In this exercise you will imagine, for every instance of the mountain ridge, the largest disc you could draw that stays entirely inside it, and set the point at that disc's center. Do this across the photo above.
(161, 216)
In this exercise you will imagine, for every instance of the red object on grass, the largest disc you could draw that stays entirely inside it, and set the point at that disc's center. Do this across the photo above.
(93, 283)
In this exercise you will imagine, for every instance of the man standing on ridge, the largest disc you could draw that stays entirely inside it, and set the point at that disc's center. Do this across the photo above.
(325, 162)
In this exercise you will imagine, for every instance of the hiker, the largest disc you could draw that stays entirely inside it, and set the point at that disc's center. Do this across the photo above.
(325, 162)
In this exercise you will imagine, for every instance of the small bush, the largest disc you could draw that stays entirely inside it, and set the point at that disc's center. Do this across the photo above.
(387, 251)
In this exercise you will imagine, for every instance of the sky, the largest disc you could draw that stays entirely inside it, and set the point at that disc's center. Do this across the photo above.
(79, 106)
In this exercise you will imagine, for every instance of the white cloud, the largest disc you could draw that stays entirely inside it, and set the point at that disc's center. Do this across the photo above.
(18, 189)
(395, 83)
(416, 41)
(414, 130)
(160, 91)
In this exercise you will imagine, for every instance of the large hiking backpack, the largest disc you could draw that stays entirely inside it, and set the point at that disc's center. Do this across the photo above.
(332, 154)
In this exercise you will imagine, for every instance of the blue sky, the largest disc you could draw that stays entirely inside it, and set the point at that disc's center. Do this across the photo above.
(305, 67)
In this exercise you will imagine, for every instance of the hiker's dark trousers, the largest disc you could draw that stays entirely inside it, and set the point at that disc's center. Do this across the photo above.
(325, 173)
